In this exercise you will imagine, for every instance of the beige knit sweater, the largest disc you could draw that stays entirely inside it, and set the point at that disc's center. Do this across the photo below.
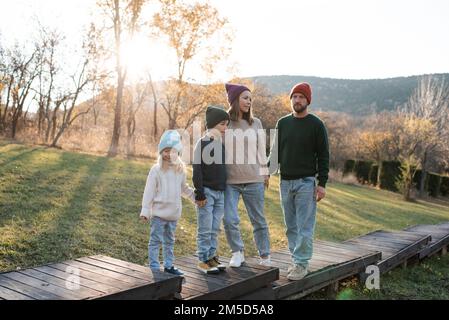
(163, 192)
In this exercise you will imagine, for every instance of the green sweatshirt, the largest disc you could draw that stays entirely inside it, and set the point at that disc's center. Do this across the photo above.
(303, 149)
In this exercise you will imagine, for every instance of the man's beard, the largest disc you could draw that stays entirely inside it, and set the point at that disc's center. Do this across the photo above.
(299, 109)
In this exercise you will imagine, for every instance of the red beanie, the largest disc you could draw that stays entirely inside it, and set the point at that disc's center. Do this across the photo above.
(303, 88)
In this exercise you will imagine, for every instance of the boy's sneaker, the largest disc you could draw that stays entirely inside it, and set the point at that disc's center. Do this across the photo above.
(297, 273)
(216, 263)
(207, 267)
(265, 261)
(237, 259)
(291, 267)
(174, 271)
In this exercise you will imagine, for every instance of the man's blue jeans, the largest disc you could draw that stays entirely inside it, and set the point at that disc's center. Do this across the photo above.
(299, 207)
(253, 195)
(209, 221)
(162, 232)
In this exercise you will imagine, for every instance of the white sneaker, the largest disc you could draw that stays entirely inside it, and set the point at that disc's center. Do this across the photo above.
(265, 261)
(291, 267)
(237, 259)
(297, 273)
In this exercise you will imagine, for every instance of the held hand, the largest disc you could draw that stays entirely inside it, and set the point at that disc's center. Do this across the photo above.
(201, 203)
(320, 193)
(143, 219)
(267, 182)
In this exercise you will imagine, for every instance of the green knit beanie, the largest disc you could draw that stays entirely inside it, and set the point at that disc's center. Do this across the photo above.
(215, 115)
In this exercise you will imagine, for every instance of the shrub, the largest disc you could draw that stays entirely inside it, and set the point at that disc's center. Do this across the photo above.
(390, 174)
(349, 167)
(434, 184)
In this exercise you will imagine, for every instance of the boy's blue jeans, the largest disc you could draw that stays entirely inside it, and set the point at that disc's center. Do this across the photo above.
(299, 208)
(209, 220)
(162, 232)
(253, 195)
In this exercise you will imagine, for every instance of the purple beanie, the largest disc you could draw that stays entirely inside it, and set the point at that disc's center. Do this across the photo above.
(234, 91)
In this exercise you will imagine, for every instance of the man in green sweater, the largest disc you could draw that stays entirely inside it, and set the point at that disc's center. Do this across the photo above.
(301, 152)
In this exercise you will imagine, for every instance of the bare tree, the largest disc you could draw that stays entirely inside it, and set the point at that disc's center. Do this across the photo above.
(430, 101)
(22, 74)
(124, 15)
(136, 96)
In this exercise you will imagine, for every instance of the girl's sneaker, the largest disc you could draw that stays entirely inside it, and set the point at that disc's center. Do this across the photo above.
(174, 271)
(207, 267)
(216, 262)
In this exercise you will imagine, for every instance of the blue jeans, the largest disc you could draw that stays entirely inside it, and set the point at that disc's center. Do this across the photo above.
(209, 220)
(162, 232)
(253, 198)
(299, 208)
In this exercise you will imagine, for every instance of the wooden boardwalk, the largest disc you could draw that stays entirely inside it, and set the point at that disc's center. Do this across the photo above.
(227, 284)
(100, 277)
(330, 263)
(439, 241)
(396, 247)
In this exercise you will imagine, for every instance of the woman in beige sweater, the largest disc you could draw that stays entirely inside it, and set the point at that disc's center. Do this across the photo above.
(247, 175)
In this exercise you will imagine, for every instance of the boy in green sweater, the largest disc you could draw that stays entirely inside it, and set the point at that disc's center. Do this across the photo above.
(301, 152)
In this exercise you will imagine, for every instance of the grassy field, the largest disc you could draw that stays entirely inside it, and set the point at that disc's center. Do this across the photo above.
(57, 205)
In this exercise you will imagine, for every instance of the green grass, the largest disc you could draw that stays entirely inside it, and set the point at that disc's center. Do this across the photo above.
(57, 205)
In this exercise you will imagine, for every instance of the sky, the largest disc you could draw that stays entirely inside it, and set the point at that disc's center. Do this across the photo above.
(347, 39)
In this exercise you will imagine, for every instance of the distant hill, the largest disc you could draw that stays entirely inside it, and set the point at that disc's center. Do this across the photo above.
(352, 96)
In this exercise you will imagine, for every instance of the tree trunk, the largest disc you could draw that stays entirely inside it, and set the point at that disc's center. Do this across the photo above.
(113, 149)
(379, 173)
(423, 176)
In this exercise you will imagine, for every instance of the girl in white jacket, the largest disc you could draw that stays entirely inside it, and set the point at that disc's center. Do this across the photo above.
(166, 184)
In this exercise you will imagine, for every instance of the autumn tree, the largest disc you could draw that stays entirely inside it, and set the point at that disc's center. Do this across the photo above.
(378, 140)
(413, 134)
(188, 28)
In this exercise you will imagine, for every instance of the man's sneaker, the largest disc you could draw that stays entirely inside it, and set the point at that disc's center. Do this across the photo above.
(265, 261)
(207, 267)
(216, 262)
(174, 271)
(297, 273)
(237, 259)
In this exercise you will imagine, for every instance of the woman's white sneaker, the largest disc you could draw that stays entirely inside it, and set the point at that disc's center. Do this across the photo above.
(237, 259)
(265, 261)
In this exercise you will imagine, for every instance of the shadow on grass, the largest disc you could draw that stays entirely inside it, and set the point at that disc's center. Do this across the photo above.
(55, 240)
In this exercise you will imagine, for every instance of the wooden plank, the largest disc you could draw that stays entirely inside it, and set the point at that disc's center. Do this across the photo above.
(27, 290)
(94, 276)
(44, 286)
(104, 288)
(234, 282)
(236, 273)
(81, 292)
(157, 276)
(403, 255)
(112, 274)
(384, 240)
(400, 234)
(382, 244)
(8, 294)
(343, 245)
(315, 280)
(120, 270)
(386, 252)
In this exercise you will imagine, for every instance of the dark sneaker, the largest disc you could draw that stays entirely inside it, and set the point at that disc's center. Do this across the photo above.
(207, 267)
(174, 271)
(216, 262)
